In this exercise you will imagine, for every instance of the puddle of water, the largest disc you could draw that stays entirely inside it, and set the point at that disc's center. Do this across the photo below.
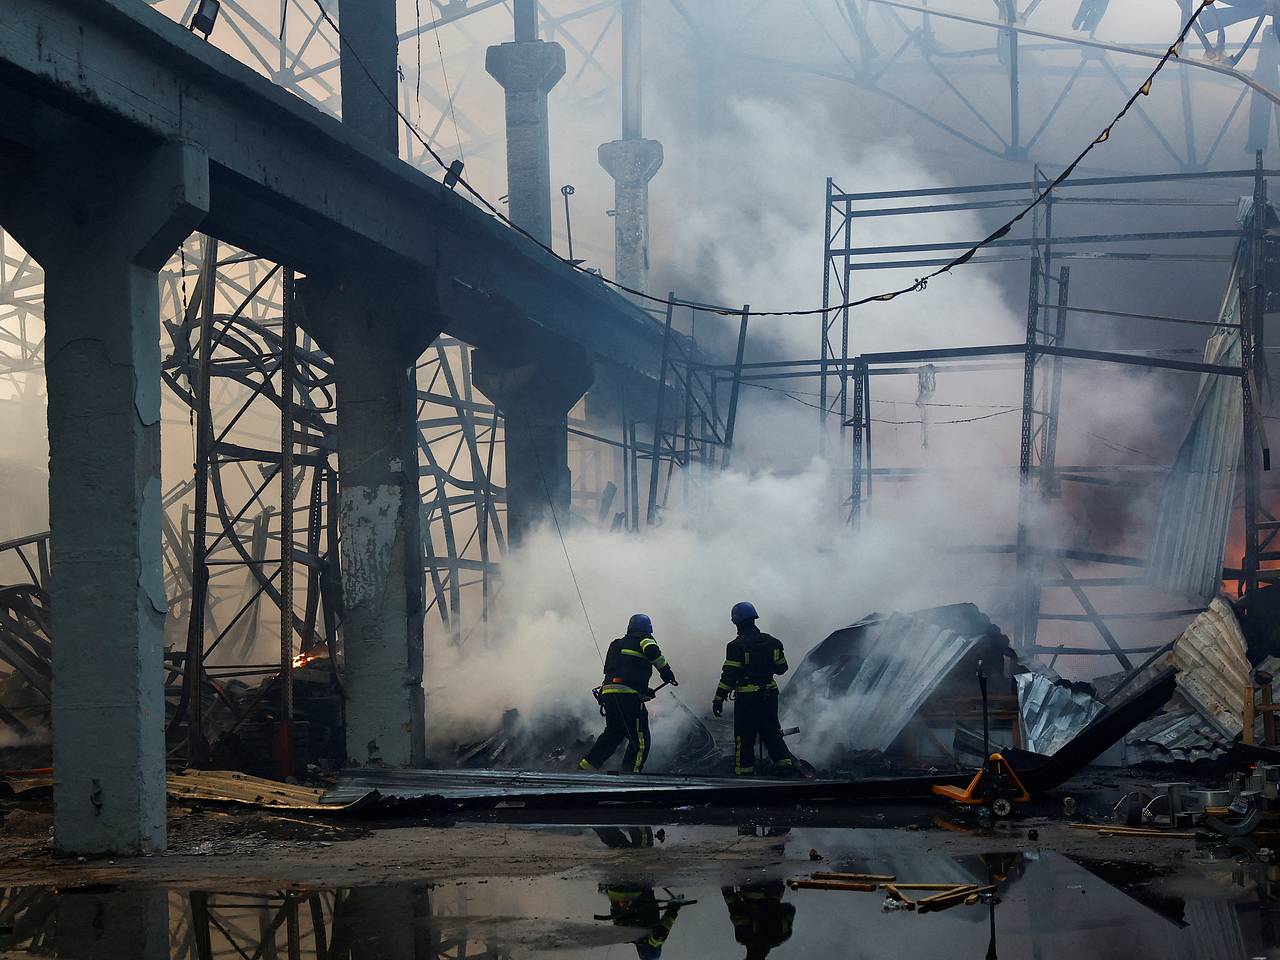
(1046, 907)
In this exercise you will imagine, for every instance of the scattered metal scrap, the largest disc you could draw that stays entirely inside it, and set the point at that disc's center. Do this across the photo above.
(1052, 710)
(1213, 667)
(1177, 735)
(868, 681)
(1205, 719)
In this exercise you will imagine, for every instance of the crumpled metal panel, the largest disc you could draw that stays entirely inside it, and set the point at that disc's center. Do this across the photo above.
(1191, 528)
(1213, 667)
(904, 660)
(1180, 735)
(1052, 712)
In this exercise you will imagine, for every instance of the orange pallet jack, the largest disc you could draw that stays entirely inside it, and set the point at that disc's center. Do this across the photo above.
(996, 784)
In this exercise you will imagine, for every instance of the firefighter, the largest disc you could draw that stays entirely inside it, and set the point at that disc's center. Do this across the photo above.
(751, 661)
(761, 921)
(627, 668)
(634, 905)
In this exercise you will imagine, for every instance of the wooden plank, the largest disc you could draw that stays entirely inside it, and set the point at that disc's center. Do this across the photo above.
(854, 877)
(830, 885)
(225, 786)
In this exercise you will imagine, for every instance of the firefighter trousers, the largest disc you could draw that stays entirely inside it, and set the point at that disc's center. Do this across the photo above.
(625, 718)
(756, 715)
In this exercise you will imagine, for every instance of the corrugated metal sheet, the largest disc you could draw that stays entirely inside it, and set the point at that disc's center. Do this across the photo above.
(454, 790)
(1191, 526)
(1213, 667)
(516, 785)
(1177, 736)
(1052, 712)
(904, 660)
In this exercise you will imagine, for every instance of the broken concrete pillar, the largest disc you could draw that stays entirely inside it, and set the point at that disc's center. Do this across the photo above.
(527, 70)
(374, 327)
(632, 164)
(534, 391)
(102, 220)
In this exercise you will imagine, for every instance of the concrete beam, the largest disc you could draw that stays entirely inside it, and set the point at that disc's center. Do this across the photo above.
(371, 323)
(102, 219)
(290, 183)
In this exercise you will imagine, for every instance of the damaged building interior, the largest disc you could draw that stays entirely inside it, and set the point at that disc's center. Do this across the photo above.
(859, 410)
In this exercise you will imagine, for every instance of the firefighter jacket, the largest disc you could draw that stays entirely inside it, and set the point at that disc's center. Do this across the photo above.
(751, 660)
(630, 663)
(635, 906)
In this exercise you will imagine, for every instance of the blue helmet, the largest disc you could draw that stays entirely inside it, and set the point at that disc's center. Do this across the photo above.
(743, 612)
(639, 624)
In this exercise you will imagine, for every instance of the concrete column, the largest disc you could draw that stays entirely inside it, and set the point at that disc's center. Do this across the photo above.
(102, 221)
(130, 921)
(374, 327)
(372, 923)
(527, 70)
(534, 391)
(632, 164)
(368, 70)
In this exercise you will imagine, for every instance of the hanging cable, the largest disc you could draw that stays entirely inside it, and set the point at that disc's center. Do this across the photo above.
(564, 546)
(435, 32)
(919, 284)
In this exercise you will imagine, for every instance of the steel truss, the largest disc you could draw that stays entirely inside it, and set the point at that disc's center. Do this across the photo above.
(301, 924)
(442, 56)
(687, 426)
(1043, 566)
(245, 410)
(1046, 251)
(890, 44)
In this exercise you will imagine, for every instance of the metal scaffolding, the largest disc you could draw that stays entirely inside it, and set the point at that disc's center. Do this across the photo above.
(1040, 566)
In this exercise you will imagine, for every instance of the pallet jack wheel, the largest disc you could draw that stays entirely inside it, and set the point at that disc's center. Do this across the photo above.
(1001, 807)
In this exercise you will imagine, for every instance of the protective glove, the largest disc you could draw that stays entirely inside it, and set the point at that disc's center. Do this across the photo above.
(669, 676)
(717, 706)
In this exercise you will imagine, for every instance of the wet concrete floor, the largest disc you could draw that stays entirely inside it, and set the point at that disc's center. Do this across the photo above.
(1220, 904)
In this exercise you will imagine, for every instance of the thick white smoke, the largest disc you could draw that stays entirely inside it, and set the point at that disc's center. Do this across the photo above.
(773, 529)
(774, 539)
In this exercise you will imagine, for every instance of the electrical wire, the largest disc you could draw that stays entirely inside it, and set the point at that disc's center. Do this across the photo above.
(814, 406)
(564, 547)
(435, 32)
(938, 423)
(1120, 447)
(919, 284)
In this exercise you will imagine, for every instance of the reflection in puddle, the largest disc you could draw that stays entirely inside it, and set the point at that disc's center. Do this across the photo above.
(1044, 907)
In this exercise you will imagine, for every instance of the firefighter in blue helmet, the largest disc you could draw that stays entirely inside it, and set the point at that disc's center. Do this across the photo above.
(751, 661)
(628, 666)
